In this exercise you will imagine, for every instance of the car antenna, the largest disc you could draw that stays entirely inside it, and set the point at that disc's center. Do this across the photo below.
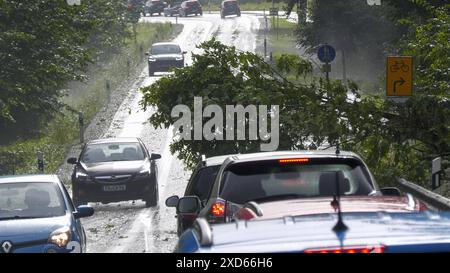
(340, 226)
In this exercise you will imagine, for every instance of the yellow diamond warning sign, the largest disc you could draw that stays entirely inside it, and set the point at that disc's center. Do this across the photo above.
(399, 76)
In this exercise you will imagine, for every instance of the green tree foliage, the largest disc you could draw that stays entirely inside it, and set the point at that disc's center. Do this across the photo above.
(318, 114)
(43, 45)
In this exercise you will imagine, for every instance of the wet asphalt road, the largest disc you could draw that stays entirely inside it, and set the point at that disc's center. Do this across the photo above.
(129, 226)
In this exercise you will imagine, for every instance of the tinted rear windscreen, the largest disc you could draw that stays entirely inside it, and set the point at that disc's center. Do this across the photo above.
(264, 180)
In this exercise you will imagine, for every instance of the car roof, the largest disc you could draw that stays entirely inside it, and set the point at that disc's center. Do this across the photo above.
(44, 178)
(165, 43)
(114, 140)
(216, 160)
(292, 154)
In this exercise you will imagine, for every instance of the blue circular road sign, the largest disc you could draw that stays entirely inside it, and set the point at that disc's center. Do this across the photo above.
(326, 53)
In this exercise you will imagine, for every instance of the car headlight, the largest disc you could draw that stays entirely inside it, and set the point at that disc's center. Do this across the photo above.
(144, 172)
(179, 58)
(152, 59)
(60, 237)
(82, 176)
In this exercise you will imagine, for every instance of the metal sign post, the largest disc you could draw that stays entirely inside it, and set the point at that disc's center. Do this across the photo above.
(326, 54)
(436, 169)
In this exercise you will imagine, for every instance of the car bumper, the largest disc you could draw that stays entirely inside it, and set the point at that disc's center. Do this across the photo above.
(136, 188)
(45, 247)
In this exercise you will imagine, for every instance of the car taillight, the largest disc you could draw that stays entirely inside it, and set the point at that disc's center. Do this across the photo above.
(293, 160)
(218, 209)
(350, 249)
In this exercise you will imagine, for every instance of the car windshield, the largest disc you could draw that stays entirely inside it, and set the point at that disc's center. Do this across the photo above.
(105, 152)
(30, 200)
(165, 49)
(267, 181)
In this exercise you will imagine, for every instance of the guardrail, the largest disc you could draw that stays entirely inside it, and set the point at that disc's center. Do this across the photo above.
(435, 200)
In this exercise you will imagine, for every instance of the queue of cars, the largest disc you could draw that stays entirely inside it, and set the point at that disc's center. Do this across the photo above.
(186, 8)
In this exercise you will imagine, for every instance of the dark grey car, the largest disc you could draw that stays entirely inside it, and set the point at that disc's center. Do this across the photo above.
(113, 170)
(164, 56)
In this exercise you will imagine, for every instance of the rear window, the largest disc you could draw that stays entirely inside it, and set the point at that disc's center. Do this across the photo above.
(271, 180)
(203, 182)
(229, 3)
(192, 4)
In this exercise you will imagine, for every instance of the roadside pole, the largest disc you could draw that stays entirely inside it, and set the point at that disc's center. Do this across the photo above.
(265, 35)
(344, 70)
(40, 161)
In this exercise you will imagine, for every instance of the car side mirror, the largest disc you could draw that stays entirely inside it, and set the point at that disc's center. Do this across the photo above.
(155, 156)
(83, 211)
(189, 204)
(391, 191)
(172, 202)
(72, 160)
(184, 52)
(147, 53)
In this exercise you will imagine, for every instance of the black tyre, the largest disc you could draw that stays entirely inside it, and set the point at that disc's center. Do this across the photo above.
(150, 71)
(152, 200)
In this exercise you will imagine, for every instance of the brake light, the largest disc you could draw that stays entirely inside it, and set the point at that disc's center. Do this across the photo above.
(351, 249)
(218, 209)
(293, 160)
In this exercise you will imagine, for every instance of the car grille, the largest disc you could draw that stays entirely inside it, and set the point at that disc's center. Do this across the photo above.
(113, 178)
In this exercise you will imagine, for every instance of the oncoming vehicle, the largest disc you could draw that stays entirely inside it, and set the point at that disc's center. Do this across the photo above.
(230, 7)
(199, 185)
(113, 170)
(367, 232)
(154, 6)
(164, 56)
(277, 176)
(37, 216)
(190, 7)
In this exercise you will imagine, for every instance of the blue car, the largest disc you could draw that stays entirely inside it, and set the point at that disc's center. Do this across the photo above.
(366, 232)
(37, 216)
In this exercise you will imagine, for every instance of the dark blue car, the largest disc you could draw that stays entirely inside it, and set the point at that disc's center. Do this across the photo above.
(37, 216)
(367, 232)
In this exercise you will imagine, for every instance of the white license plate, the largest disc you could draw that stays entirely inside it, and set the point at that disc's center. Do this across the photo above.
(115, 188)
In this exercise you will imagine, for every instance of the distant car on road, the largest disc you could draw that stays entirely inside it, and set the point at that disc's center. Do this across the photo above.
(37, 216)
(368, 232)
(172, 9)
(199, 185)
(190, 7)
(113, 170)
(230, 7)
(292, 175)
(164, 56)
(154, 6)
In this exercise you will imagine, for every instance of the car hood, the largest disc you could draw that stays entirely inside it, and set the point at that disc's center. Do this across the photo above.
(113, 167)
(31, 229)
(166, 56)
(295, 234)
(308, 206)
